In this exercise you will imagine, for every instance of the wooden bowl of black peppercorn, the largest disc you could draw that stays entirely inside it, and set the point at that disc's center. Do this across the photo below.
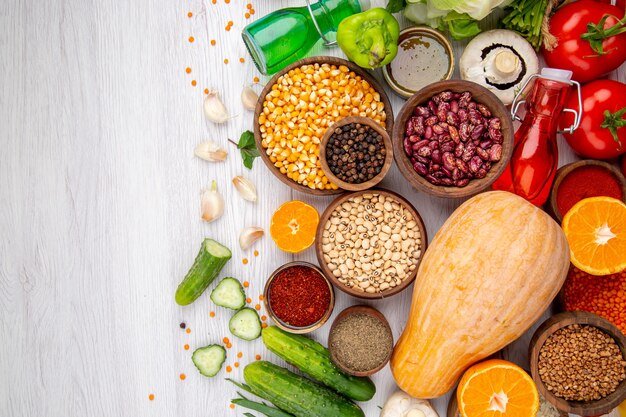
(356, 153)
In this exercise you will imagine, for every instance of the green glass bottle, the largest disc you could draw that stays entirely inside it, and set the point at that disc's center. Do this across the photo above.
(287, 35)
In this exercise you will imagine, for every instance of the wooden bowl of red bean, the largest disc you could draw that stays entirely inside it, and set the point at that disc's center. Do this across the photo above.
(453, 139)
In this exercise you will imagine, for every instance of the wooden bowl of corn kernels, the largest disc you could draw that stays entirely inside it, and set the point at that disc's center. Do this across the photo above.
(299, 104)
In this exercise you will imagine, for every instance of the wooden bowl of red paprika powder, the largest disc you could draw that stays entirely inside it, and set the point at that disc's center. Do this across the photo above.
(583, 179)
(298, 297)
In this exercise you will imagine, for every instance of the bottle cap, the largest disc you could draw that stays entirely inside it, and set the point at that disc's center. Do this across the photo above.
(557, 75)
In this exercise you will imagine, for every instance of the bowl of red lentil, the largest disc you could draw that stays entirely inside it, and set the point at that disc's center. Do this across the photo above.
(298, 297)
(583, 179)
(578, 362)
(300, 103)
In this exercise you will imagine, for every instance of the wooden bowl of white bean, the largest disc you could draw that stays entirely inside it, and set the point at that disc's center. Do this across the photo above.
(370, 243)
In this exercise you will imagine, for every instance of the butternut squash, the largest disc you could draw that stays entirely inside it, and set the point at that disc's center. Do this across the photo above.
(490, 272)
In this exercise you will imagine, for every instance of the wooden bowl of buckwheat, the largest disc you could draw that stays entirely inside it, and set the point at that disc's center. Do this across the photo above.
(370, 243)
(578, 361)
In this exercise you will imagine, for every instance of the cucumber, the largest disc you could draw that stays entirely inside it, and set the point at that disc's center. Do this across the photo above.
(209, 359)
(209, 262)
(245, 324)
(229, 293)
(296, 394)
(313, 359)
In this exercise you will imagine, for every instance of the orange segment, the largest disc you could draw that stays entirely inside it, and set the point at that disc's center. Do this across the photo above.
(294, 225)
(596, 232)
(497, 388)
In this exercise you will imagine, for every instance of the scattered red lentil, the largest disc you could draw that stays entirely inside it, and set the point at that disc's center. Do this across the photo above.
(261, 297)
(251, 11)
(188, 331)
(226, 341)
(242, 60)
(206, 91)
(186, 347)
(247, 15)
(226, 61)
(236, 364)
(257, 357)
(191, 39)
(255, 79)
(245, 260)
(189, 14)
(256, 252)
(182, 377)
(248, 300)
(240, 354)
(263, 317)
(229, 368)
(257, 307)
(246, 284)
(212, 314)
(249, 6)
(151, 397)
(230, 23)
(212, 42)
(232, 405)
(263, 325)
(227, 28)
(188, 70)
(214, 1)
(194, 82)
(604, 296)
(229, 345)
(299, 296)
(226, 1)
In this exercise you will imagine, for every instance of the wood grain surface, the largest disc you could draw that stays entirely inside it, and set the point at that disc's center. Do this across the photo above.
(99, 206)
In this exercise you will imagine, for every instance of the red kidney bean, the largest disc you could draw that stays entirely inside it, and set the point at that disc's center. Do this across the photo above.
(452, 139)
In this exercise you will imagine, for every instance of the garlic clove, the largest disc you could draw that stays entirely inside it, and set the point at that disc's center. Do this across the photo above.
(246, 189)
(210, 151)
(249, 235)
(214, 109)
(249, 98)
(211, 204)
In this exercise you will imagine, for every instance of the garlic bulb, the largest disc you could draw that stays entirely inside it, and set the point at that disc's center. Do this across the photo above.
(211, 204)
(210, 151)
(214, 109)
(249, 235)
(249, 98)
(246, 189)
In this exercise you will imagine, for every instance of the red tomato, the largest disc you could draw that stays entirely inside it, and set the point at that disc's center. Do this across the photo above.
(573, 53)
(619, 3)
(591, 140)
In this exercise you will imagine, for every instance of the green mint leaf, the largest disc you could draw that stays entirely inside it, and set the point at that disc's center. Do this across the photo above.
(395, 6)
(246, 140)
(249, 155)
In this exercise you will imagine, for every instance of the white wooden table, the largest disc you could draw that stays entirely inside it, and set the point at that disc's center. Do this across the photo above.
(99, 207)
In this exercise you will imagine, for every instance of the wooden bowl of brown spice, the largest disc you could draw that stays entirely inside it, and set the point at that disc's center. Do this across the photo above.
(360, 341)
(577, 360)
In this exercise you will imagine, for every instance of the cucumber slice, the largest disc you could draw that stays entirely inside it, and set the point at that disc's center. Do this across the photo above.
(245, 324)
(229, 293)
(209, 359)
(209, 262)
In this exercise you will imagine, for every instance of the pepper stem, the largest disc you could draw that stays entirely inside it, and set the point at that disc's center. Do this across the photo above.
(614, 121)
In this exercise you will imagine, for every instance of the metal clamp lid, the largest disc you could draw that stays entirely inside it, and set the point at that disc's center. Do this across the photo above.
(577, 114)
(327, 42)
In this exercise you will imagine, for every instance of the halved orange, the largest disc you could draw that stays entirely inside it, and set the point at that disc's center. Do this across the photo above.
(294, 225)
(497, 388)
(596, 232)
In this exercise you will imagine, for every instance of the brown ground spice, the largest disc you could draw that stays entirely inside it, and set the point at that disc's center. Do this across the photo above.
(360, 342)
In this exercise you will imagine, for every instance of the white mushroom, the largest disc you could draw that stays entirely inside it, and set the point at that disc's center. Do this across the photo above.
(401, 404)
(499, 60)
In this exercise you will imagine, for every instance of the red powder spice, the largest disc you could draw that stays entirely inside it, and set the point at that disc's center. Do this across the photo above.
(584, 182)
(299, 296)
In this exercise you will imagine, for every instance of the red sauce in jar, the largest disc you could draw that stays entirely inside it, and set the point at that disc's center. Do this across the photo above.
(584, 182)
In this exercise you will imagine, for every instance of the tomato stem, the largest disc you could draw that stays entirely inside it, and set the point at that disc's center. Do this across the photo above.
(614, 121)
(596, 33)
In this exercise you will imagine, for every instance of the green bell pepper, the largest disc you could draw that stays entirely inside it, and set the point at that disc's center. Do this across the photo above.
(370, 39)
